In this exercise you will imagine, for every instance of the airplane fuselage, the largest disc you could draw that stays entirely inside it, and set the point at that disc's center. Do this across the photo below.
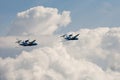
(34, 44)
(71, 38)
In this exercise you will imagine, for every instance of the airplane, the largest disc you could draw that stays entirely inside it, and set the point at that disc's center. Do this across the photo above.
(70, 37)
(27, 43)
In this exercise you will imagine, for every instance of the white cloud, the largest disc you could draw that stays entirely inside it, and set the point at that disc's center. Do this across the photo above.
(95, 56)
(7, 42)
(39, 20)
(51, 64)
(98, 45)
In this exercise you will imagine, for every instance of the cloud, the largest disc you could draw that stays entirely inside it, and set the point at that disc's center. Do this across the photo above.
(100, 46)
(49, 63)
(4, 42)
(38, 21)
(95, 56)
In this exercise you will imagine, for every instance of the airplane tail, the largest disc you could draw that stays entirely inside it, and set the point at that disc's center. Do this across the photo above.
(63, 35)
(32, 42)
(18, 41)
(77, 35)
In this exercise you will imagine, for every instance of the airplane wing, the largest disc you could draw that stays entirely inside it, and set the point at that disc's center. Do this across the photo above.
(26, 41)
(32, 42)
(70, 35)
(76, 36)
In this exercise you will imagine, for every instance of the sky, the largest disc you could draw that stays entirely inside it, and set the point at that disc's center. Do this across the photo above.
(94, 56)
(84, 13)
